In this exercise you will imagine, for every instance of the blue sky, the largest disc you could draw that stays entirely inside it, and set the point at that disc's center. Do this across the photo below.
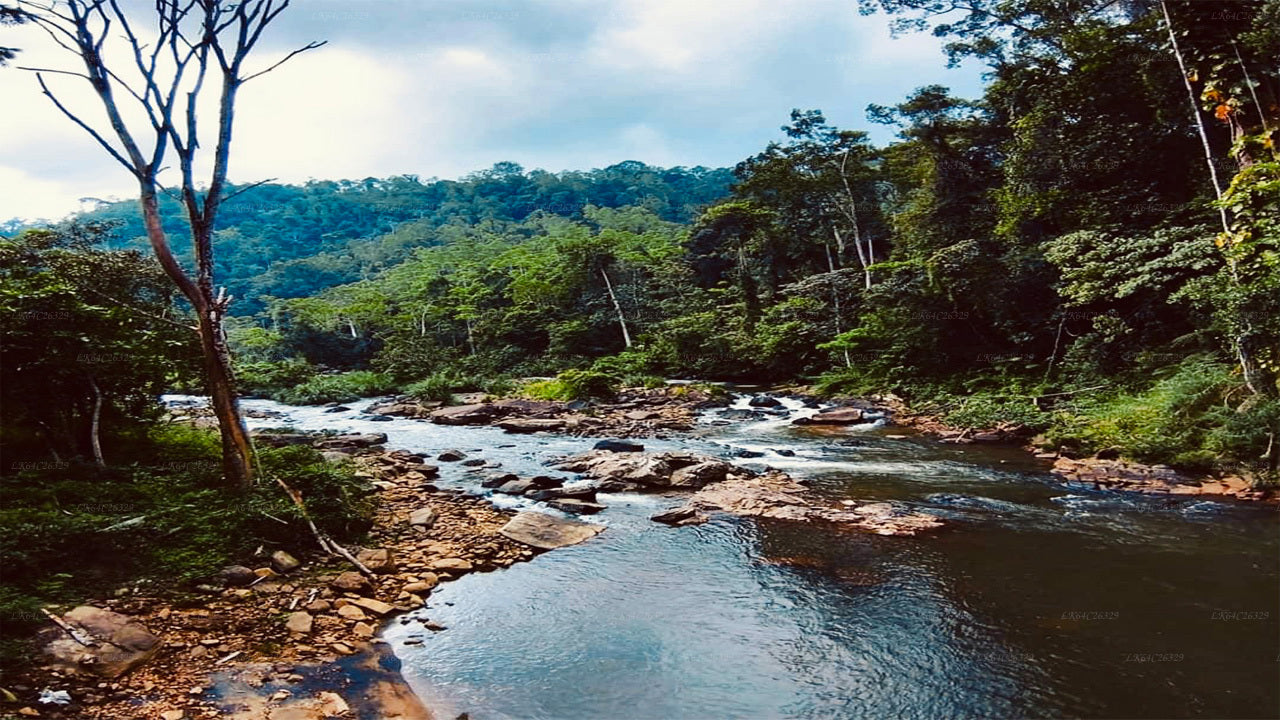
(440, 88)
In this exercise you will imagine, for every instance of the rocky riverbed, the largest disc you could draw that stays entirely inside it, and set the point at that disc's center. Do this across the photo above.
(285, 638)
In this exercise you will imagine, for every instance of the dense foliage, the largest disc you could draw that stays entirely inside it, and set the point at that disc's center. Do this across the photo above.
(289, 241)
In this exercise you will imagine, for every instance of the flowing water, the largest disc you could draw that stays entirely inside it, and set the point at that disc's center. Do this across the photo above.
(1037, 600)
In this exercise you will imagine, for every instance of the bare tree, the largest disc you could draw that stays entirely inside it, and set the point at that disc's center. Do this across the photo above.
(149, 89)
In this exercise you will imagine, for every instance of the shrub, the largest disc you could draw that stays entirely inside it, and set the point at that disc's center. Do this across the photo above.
(574, 385)
(271, 378)
(985, 411)
(1171, 422)
(342, 387)
(435, 387)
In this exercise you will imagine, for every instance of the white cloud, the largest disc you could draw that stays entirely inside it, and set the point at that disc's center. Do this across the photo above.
(436, 88)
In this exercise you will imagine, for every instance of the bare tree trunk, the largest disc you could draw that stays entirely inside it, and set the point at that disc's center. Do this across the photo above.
(1195, 113)
(94, 422)
(835, 303)
(622, 320)
(863, 260)
(237, 448)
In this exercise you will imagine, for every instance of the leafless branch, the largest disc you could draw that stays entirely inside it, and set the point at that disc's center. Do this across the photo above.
(85, 126)
(247, 188)
(309, 46)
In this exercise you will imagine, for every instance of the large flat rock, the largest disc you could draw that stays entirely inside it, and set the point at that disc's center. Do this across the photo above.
(547, 532)
(121, 643)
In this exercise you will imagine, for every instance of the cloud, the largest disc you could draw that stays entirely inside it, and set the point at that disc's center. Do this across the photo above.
(443, 88)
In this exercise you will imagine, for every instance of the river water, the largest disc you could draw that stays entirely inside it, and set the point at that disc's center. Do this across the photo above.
(1037, 600)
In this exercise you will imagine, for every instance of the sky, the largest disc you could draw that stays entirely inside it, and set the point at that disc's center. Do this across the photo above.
(442, 88)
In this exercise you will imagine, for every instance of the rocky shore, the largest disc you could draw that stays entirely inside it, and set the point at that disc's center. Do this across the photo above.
(1101, 472)
(635, 412)
(283, 638)
(718, 486)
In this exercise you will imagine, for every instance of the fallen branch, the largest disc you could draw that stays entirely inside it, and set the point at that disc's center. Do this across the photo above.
(75, 634)
(325, 543)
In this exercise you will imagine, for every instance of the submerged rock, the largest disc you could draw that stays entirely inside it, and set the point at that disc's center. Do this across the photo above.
(546, 532)
(684, 515)
(574, 505)
(618, 446)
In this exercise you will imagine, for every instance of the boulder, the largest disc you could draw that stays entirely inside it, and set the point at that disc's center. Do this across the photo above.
(121, 643)
(423, 517)
(545, 482)
(618, 446)
(475, 414)
(299, 622)
(374, 606)
(764, 401)
(451, 564)
(685, 515)
(546, 532)
(451, 456)
(515, 487)
(380, 560)
(745, 453)
(280, 439)
(585, 492)
(700, 475)
(353, 440)
(839, 416)
(532, 425)
(338, 409)
(497, 480)
(284, 562)
(351, 581)
(237, 576)
(576, 506)
(529, 408)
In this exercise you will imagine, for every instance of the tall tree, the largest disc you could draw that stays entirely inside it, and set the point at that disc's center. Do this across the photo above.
(161, 79)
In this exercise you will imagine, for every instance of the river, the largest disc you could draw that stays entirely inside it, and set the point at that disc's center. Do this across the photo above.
(1037, 600)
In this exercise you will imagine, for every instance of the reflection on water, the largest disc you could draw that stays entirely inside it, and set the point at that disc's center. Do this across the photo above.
(1036, 600)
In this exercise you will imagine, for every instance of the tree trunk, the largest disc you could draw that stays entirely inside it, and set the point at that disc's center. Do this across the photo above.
(94, 442)
(622, 320)
(1195, 113)
(237, 449)
(1259, 379)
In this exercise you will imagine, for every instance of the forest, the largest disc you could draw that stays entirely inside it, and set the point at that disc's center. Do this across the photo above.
(1088, 252)
(1053, 253)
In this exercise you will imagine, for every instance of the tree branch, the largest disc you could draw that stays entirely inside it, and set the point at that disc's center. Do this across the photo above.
(85, 126)
(309, 46)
